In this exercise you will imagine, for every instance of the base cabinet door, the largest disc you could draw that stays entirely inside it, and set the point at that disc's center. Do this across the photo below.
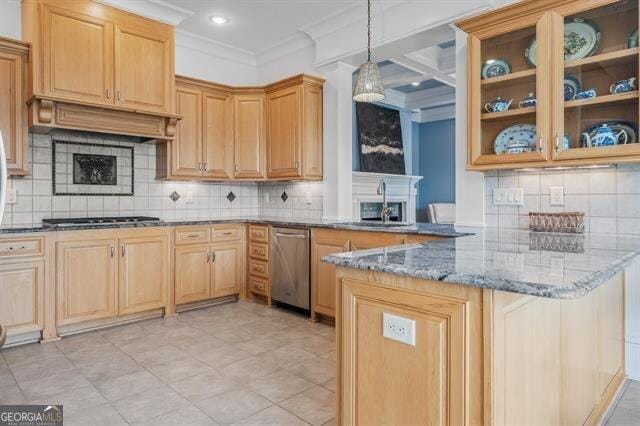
(86, 280)
(143, 271)
(226, 269)
(192, 276)
(323, 275)
(21, 296)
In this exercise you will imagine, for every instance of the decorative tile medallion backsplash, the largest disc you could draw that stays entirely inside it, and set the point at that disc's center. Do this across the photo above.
(197, 200)
(92, 169)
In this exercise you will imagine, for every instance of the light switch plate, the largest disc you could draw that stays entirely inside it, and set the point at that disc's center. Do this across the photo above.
(12, 196)
(508, 197)
(556, 195)
(398, 328)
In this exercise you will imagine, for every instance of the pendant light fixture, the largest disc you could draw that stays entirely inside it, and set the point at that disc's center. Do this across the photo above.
(369, 85)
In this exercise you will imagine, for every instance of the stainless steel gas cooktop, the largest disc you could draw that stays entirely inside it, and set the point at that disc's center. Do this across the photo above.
(99, 220)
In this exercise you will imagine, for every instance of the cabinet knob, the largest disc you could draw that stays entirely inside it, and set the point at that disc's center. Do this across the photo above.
(540, 144)
(108, 94)
(297, 164)
(113, 251)
(204, 167)
(237, 167)
(557, 142)
(208, 256)
(118, 94)
(122, 250)
(213, 256)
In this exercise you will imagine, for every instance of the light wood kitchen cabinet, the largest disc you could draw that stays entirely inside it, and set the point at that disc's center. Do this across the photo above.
(217, 136)
(294, 128)
(86, 280)
(226, 268)
(144, 77)
(106, 273)
(22, 295)
(323, 275)
(94, 67)
(144, 274)
(329, 241)
(249, 136)
(550, 51)
(193, 278)
(187, 147)
(258, 285)
(78, 63)
(203, 148)
(209, 267)
(13, 61)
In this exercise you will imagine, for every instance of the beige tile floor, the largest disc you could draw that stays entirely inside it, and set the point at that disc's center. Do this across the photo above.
(627, 410)
(238, 363)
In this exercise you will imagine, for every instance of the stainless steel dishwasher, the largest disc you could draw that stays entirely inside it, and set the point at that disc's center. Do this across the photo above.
(289, 266)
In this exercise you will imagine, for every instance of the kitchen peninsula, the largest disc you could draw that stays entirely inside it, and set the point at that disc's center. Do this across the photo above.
(492, 328)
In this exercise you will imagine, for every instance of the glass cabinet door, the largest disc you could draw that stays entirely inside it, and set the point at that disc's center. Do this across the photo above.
(595, 81)
(508, 94)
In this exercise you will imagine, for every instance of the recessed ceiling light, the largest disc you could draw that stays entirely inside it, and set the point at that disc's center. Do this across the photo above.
(415, 83)
(219, 19)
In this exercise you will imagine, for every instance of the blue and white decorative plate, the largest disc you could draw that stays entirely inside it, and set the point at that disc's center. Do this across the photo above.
(495, 68)
(616, 126)
(633, 40)
(572, 86)
(516, 135)
(581, 39)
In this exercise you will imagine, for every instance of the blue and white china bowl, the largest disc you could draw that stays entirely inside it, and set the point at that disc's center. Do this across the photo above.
(623, 86)
(571, 87)
(498, 105)
(495, 68)
(520, 137)
(566, 142)
(528, 101)
(586, 94)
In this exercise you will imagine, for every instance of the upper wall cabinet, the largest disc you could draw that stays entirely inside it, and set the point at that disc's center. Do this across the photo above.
(553, 83)
(272, 132)
(13, 62)
(294, 129)
(98, 68)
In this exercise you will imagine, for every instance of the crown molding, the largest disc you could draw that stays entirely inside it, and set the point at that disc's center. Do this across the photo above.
(212, 47)
(285, 47)
(157, 10)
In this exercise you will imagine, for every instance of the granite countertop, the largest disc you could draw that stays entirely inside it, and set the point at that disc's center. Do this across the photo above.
(562, 266)
(416, 229)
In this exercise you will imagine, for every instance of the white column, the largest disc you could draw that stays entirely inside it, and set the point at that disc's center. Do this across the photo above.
(338, 127)
(469, 185)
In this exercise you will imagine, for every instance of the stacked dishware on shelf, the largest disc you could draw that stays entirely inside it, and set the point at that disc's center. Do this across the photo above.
(582, 39)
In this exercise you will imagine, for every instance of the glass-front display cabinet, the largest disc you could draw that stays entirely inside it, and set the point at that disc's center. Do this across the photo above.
(553, 83)
(596, 115)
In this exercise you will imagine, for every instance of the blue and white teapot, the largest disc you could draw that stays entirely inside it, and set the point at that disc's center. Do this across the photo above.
(604, 136)
(623, 86)
(528, 101)
(498, 105)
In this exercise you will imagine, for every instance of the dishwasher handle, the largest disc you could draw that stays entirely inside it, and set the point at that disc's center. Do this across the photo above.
(298, 236)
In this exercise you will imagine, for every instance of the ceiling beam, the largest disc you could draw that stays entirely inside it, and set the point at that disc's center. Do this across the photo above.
(429, 98)
(425, 65)
(402, 79)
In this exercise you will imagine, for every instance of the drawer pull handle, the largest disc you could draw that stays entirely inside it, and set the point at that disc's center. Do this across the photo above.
(227, 233)
(13, 248)
(193, 236)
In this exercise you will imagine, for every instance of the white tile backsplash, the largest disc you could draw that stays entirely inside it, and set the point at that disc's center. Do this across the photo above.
(609, 197)
(36, 201)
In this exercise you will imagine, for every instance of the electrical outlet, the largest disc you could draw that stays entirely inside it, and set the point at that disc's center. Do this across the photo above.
(12, 196)
(307, 198)
(556, 195)
(508, 196)
(398, 328)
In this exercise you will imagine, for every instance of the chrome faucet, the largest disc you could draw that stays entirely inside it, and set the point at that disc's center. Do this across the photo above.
(385, 213)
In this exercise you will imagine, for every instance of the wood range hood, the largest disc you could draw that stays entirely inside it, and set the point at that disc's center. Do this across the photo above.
(100, 69)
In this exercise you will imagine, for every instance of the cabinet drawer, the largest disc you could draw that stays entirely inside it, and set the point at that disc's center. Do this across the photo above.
(259, 251)
(22, 247)
(192, 236)
(228, 233)
(258, 285)
(259, 268)
(259, 233)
